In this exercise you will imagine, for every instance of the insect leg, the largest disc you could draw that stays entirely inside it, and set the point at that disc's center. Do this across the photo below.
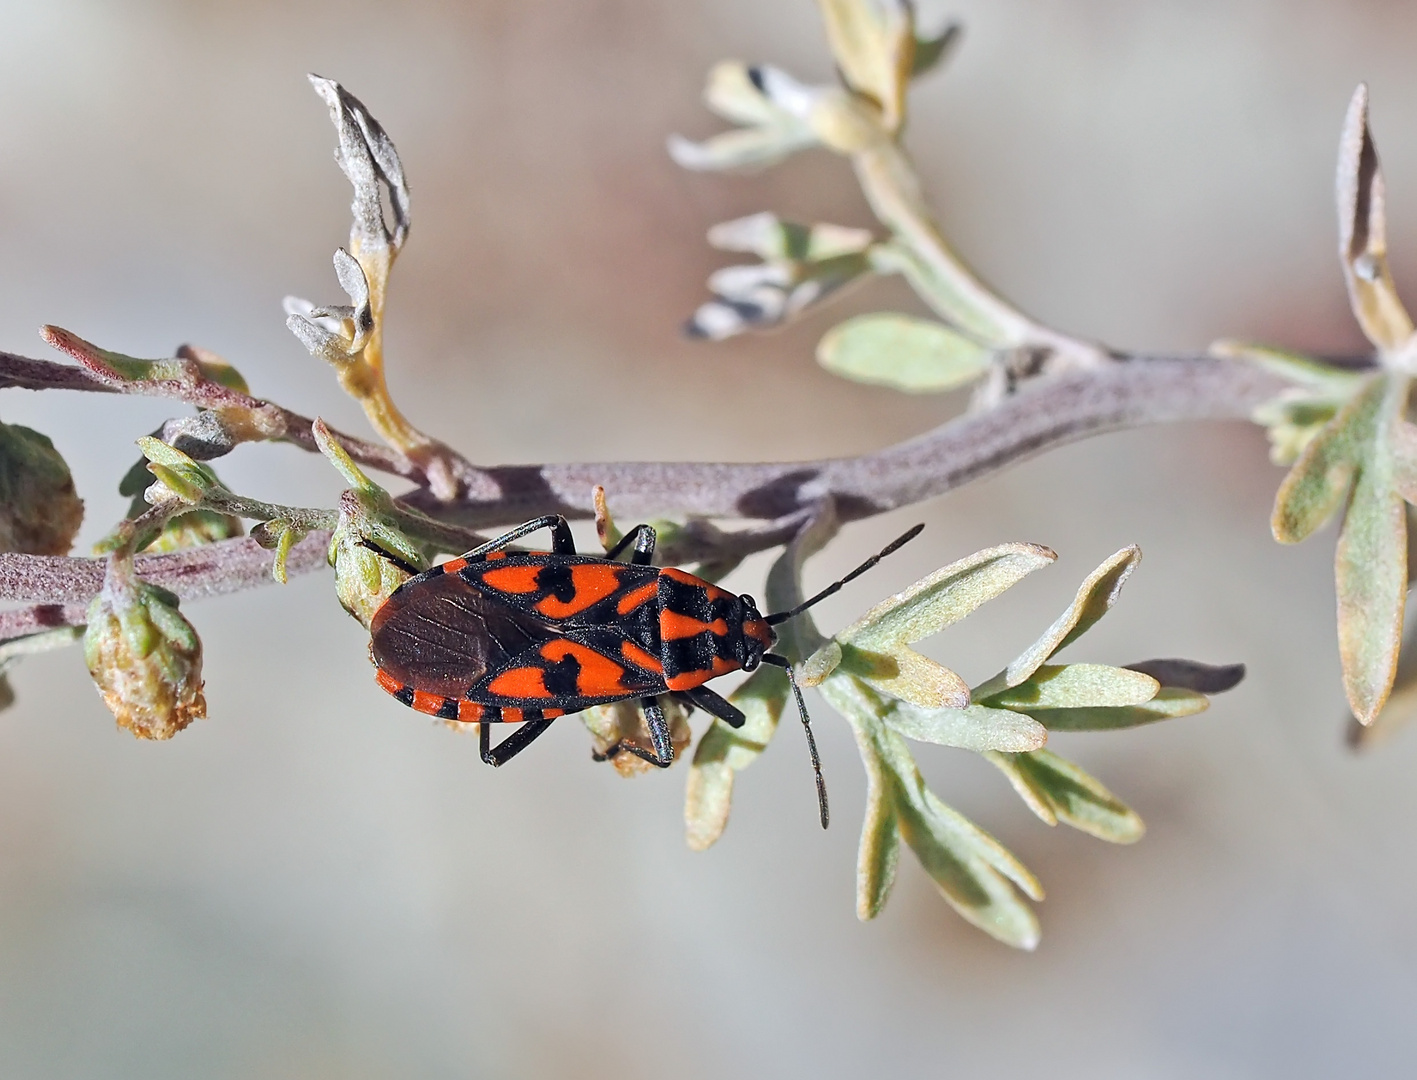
(714, 705)
(644, 537)
(513, 744)
(562, 543)
(630, 748)
(406, 567)
(663, 755)
(786, 665)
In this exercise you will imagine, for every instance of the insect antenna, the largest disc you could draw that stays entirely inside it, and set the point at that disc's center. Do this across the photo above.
(786, 665)
(899, 541)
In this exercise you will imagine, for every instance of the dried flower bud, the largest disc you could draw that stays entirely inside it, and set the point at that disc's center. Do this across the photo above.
(622, 724)
(39, 510)
(144, 655)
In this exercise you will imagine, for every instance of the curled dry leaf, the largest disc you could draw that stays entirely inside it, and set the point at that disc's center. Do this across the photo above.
(874, 45)
(1362, 228)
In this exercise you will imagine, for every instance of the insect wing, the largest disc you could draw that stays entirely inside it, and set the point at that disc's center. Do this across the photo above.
(440, 634)
(570, 589)
(572, 671)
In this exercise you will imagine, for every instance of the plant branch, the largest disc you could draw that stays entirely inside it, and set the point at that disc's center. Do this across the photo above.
(59, 588)
(28, 374)
(1048, 412)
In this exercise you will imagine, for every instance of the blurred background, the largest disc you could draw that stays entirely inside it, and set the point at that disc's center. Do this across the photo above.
(316, 882)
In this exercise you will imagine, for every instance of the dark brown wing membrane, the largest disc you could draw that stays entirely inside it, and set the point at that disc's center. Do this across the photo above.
(441, 635)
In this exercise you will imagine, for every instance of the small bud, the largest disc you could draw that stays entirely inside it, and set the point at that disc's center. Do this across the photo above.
(39, 510)
(188, 480)
(278, 536)
(144, 655)
(364, 577)
(195, 528)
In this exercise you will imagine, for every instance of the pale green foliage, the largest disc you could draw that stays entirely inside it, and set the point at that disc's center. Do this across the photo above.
(1057, 790)
(1349, 437)
(902, 352)
(869, 673)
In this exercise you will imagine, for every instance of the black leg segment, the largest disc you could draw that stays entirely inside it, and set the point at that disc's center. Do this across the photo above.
(644, 538)
(406, 567)
(713, 704)
(513, 744)
(658, 731)
(562, 543)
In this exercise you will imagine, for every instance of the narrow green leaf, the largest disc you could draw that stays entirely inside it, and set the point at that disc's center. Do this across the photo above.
(904, 674)
(799, 638)
(1057, 790)
(1401, 706)
(945, 597)
(1169, 701)
(820, 664)
(1071, 686)
(972, 870)
(1370, 571)
(723, 751)
(1402, 445)
(1322, 477)
(189, 480)
(930, 50)
(1095, 597)
(975, 727)
(879, 851)
(917, 356)
(1296, 367)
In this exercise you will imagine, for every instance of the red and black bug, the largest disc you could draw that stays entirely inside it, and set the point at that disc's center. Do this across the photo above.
(513, 636)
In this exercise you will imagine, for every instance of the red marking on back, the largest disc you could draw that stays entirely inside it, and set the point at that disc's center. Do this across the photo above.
(551, 714)
(452, 566)
(687, 680)
(758, 630)
(469, 712)
(512, 716)
(495, 555)
(673, 573)
(592, 583)
(521, 682)
(637, 656)
(425, 702)
(599, 675)
(722, 666)
(634, 599)
(513, 579)
(673, 626)
(388, 682)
